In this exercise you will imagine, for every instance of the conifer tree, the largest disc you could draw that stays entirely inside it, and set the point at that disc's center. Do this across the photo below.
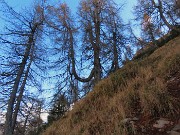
(60, 107)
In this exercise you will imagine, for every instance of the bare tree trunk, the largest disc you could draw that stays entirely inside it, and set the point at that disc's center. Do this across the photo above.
(9, 115)
(159, 6)
(26, 120)
(115, 52)
(25, 124)
(73, 62)
(8, 125)
(162, 16)
(151, 34)
(74, 90)
(96, 47)
(19, 98)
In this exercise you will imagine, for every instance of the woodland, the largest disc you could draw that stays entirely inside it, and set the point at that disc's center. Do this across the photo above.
(48, 44)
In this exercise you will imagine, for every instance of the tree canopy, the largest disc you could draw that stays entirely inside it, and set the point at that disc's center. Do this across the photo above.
(48, 42)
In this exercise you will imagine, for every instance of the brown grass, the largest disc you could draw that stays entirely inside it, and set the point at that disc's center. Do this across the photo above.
(138, 89)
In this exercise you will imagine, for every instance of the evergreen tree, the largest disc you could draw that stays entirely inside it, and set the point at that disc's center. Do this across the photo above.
(60, 107)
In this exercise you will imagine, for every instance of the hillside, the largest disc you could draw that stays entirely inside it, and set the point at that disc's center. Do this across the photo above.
(143, 97)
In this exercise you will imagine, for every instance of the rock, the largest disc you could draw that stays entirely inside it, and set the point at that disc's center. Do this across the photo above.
(173, 133)
(129, 120)
(126, 120)
(161, 123)
(135, 119)
(176, 128)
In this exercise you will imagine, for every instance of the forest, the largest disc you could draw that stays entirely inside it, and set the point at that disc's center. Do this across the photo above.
(49, 45)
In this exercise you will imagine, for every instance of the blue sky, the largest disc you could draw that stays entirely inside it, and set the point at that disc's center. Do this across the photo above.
(126, 13)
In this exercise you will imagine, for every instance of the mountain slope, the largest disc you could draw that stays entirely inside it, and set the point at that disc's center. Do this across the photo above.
(131, 100)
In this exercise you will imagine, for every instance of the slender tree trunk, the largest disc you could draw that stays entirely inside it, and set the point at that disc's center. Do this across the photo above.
(115, 53)
(151, 34)
(8, 125)
(19, 98)
(9, 115)
(162, 16)
(75, 92)
(159, 6)
(26, 121)
(97, 64)
(25, 124)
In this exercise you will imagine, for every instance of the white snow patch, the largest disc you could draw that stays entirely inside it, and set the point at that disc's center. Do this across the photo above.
(44, 116)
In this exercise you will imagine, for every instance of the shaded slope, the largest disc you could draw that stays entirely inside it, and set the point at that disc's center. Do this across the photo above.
(130, 100)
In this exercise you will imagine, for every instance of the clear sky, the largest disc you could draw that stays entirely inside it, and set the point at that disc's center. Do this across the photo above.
(126, 13)
(18, 5)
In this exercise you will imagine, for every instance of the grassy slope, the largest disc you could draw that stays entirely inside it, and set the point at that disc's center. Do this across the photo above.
(145, 89)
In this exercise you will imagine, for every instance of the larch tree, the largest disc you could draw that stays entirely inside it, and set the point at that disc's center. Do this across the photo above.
(21, 43)
(88, 48)
(102, 36)
(62, 31)
(29, 118)
(157, 18)
(90, 18)
(114, 36)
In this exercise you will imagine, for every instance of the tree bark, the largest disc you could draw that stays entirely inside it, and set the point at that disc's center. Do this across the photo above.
(9, 115)
(159, 6)
(96, 47)
(8, 125)
(115, 64)
(73, 62)
(19, 98)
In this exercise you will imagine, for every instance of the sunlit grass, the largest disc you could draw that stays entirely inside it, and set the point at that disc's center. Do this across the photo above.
(138, 88)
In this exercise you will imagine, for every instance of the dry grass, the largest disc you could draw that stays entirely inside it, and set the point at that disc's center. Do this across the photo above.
(139, 88)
